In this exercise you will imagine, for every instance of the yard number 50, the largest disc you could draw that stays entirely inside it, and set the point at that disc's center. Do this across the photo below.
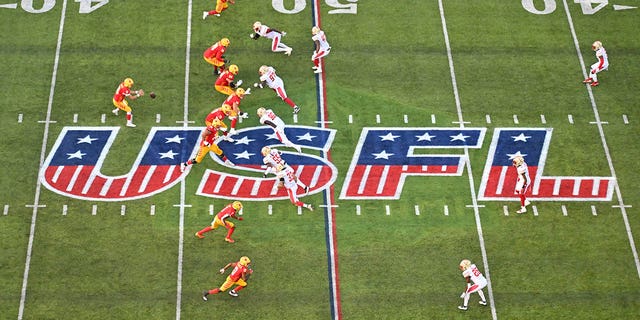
(550, 6)
(86, 6)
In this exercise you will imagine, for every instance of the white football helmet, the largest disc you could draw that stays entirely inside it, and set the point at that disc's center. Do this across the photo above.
(263, 70)
(265, 151)
(261, 111)
(256, 26)
(465, 264)
(518, 161)
(315, 30)
(596, 45)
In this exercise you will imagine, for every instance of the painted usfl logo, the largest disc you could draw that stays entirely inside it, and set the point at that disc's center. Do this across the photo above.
(73, 165)
(384, 157)
(244, 152)
(499, 177)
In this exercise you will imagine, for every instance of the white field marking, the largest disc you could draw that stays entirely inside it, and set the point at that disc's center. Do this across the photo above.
(515, 119)
(474, 197)
(597, 122)
(564, 211)
(89, 183)
(237, 185)
(350, 118)
(570, 118)
(75, 118)
(625, 119)
(256, 188)
(158, 118)
(219, 184)
(406, 118)
(620, 7)
(123, 210)
(147, 178)
(211, 210)
(65, 209)
(556, 186)
(505, 210)
(74, 177)
(433, 118)
(169, 174)
(488, 117)
(416, 208)
(103, 118)
(605, 146)
(446, 210)
(358, 210)
(365, 176)
(387, 210)
(383, 180)
(535, 210)
(316, 177)
(295, 118)
(503, 173)
(594, 211)
(576, 186)
(475, 206)
(186, 122)
(9, 5)
(543, 119)
(320, 122)
(57, 174)
(596, 187)
(444, 168)
(20, 116)
(299, 211)
(152, 210)
(377, 118)
(106, 187)
(270, 209)
(94, 209)
(329, 206)
(47, 121)
(6, 210)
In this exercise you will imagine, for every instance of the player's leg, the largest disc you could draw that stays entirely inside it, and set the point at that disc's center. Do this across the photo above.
(283, 138)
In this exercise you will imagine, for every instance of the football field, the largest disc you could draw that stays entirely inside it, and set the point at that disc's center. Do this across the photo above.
(407, 137)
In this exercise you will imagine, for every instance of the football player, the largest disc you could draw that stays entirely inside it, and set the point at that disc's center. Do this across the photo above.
(221, 5)
(322, 48)
(222, 219)
(268, 77)
(272, 159)
(523, 182)
(268, 117)
(213, 55)
(471, 274)
(207, 144)
(224, 84)
(261, 30)
(124, 91)
(220, 113)
(234, 102)
(602, 64)
(238, 276)
(289, 181)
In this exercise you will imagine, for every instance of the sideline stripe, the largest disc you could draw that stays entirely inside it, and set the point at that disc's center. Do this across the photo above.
(43, 149)
(329, 196)
(603, 139)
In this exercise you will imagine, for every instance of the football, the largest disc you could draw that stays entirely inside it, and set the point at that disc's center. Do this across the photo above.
(152, 95)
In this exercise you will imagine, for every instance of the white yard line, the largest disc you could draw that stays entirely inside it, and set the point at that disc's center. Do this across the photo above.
(468, 163)
(603, 139)
(43, 150)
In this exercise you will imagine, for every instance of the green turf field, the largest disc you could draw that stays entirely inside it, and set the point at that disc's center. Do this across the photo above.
(368, 251)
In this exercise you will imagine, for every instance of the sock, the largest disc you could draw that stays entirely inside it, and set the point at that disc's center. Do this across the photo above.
(233, 123)
(214, 291)
(129, 117)
(230, 232)
(522, 198)
(481, 294)
(207, 229)
(238, 288)
(289, 102)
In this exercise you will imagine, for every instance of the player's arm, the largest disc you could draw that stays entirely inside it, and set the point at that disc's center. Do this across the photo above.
(270, 124)
(230, 264)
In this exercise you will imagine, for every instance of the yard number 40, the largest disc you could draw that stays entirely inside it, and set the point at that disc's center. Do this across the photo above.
(86, 6)
(550, 6)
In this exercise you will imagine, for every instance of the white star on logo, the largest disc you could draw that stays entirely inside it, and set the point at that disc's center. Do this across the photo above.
(520, 137)
(389, 137)
(517, 154)
(425, 136)
(459, 137)
(86, 139)
(76, 155)
(177, 139)
(272, 136)
(243, 155)
(244, 140)
(306, 136)
(168, 154)
(382, 155)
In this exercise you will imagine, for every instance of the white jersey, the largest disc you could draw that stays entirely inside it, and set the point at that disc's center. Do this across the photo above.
(272, 80)
(523, 174)
(265, 31)
(322, 39)
(603, 60)
(273, 118)
(476, 275)
(289, 176)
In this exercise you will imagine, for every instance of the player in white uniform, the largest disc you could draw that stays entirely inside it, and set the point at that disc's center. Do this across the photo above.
(471, 273)
(289, 181)
(322, 48)
(272, 159)
(269, 78)
(261, 30)
(268, 117)
(523, 182)
(602, 64)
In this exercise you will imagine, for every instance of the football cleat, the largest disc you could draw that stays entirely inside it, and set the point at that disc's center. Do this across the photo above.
(183, 167)
(594, 84)
(204, 295)
(463, 308)
(204, 14)
(522, 210)
(527, 202)
(317, 70)
(296, 109)
(131, 125)
(115, 111)
(227, 138)
(484, 303)
(233, 293)
(310, 207)
(232, 131)
(229, 240)
(199, 236)
(587, 80)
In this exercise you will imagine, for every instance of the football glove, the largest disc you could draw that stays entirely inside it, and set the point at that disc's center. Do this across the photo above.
(244, 115)
(222, 270)
(257, 85)
(248, 91)
(239, 83)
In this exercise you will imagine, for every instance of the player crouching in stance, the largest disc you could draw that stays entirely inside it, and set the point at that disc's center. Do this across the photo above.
(222, 219)
(522, 184)
(602, 64)
(124, 91)
(238, 276)
(289, 181)
(261, 30)
(207, 144)
(471, 273)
